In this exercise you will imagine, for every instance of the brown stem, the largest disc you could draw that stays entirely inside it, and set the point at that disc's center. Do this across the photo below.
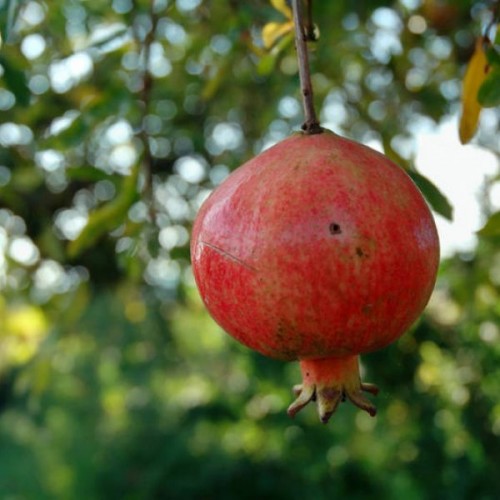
(145, 98)
(310, 31)
(311, 124)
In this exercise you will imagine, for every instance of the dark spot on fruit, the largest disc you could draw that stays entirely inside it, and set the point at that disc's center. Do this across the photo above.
(334, 228)
(367, 309)
(280, 332)
(359, 252)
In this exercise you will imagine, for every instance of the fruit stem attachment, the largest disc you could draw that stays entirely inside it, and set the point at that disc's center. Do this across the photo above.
(311, 124)
(330, 381)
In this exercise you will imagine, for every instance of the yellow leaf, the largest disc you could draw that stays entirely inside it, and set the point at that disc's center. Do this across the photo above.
(474, 77)
(23, 330)
(282, 6)
(26, 322)
(273, 31)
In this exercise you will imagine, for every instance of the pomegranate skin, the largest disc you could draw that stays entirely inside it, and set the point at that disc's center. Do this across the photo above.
(318, 247)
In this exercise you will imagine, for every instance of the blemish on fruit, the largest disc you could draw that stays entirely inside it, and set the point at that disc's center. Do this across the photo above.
(228, 255)
(334, 228)
(360, 253)
(367, 309)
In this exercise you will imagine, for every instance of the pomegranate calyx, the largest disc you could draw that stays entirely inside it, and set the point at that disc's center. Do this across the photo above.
(329, 382)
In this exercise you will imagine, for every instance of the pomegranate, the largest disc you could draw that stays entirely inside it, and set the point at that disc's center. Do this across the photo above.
(319, 249)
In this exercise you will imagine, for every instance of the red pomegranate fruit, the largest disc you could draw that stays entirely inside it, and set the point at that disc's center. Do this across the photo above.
(319, 249)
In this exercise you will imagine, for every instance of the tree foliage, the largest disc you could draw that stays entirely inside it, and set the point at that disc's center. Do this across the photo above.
(117, 119)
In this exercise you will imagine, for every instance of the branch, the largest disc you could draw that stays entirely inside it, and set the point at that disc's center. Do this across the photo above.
(311, 124)
(145, 98)
(310, 28)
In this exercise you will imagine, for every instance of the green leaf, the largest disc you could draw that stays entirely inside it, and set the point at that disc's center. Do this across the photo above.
(108, 217)
(268, 62)
(489, 92)
(112, 36)
(88, 174)
(69, 137)
(433, 195)
(213, 85)
(26, 179)
(8, 14)
(493, 55)
(15, 79)
(492, 226)
(102, 105)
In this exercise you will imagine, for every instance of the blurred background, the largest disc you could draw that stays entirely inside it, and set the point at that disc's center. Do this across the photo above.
(117, 119)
